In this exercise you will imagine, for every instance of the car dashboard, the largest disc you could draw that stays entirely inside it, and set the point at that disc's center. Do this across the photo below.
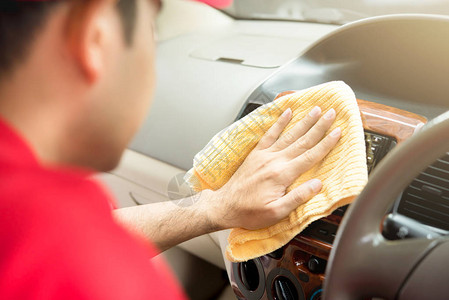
(297, 270)
(397, 67)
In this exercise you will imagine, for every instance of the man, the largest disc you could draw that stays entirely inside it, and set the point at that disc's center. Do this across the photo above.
(76, 77)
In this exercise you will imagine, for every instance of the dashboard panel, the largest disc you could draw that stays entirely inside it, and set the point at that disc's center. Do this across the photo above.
(391, 62)
(397, 62)
(296, 271)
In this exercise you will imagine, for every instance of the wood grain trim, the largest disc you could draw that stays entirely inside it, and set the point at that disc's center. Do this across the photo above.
(384, 119)
(388, 120)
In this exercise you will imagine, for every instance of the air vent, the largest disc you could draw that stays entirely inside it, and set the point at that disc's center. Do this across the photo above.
(249, 275)
(284, 289)
(426, 199)
(249, 108)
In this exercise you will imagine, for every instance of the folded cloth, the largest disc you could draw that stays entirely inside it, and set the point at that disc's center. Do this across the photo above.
(343, 171)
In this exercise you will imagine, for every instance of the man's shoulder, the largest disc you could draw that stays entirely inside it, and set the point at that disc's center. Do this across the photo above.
(38, 186)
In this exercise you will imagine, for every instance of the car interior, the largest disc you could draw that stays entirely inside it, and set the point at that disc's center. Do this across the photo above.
(214, 66)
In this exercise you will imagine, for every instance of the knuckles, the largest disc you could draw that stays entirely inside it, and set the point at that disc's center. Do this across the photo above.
(288, 138)
(300, 195)
(308, 158)
(302, 144)
(273, 173)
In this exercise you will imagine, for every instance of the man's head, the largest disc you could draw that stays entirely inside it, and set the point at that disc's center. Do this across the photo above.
(20, 22)
(77, 76)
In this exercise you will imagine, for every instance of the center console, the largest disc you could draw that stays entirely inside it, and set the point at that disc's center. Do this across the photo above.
(296, 271)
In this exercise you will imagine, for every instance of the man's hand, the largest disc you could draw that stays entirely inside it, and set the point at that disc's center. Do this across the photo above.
(255, 196)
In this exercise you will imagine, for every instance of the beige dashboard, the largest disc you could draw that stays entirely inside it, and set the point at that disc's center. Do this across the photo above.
(172, 134)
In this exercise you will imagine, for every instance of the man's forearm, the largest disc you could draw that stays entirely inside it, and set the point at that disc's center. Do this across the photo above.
(166, 224)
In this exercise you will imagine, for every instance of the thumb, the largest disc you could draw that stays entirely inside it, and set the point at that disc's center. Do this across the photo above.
(298, 196)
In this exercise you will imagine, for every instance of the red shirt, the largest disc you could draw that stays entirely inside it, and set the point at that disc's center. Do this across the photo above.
(58, 239)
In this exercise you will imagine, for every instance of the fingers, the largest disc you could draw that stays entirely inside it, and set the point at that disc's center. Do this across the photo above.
(301, 128)
(271, 136)
(309, 158)
(313, 136)
(306, 191)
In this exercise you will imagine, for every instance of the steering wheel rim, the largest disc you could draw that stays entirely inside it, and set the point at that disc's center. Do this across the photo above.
(362, 262)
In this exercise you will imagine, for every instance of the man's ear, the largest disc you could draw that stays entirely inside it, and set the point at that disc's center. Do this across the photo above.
(91, 29)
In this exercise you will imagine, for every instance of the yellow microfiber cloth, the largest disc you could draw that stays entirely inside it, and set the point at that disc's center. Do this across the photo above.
(343, 171)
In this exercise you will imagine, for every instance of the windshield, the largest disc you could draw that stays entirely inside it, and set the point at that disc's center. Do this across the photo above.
(331, 11)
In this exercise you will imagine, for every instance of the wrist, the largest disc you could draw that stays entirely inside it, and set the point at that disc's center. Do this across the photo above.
(210, 209)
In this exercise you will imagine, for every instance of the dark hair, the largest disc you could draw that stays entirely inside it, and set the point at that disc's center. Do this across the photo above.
(20, 22)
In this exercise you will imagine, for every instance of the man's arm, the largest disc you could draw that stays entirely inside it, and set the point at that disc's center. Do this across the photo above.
(255, 196)
(166, 224)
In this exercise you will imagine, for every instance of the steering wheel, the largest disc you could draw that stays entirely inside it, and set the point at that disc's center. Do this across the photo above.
(362, 263)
